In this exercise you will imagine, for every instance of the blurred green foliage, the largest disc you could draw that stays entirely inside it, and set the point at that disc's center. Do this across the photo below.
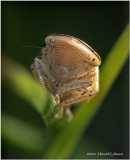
(29, 129)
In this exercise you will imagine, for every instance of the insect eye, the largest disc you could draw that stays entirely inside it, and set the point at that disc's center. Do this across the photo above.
(95, 61)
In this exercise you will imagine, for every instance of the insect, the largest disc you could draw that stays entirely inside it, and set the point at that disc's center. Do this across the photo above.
(69, 69)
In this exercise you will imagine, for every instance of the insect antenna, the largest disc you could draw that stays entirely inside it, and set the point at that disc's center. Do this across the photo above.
(31, 47)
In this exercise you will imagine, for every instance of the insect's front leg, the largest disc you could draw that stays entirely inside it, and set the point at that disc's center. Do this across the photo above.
(42, 73)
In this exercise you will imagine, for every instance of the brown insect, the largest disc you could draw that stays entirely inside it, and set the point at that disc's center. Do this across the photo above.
(68, 68)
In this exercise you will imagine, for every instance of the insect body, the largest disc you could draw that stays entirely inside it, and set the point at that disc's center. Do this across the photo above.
(68, 68)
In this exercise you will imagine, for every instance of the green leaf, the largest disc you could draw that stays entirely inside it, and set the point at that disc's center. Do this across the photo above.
(23, 136)
(24, 85)
(88, 147)
(67, 139)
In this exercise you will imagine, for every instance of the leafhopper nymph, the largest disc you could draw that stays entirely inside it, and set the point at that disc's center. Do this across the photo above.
(69, 69)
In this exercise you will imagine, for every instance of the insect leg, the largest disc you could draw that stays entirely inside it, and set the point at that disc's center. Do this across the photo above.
(78, 98)
(71, 88)
(57, 100)
(37, 61)
(35, 67)
(59, 115)
(75, 82)
(69, 113)
(42, 74)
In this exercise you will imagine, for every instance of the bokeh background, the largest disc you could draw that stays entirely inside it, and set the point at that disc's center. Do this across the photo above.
(24, 25)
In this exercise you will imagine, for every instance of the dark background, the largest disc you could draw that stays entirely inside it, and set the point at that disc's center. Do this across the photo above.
(97, 23)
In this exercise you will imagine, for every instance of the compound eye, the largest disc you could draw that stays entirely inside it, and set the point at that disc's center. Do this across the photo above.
(95, 61)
